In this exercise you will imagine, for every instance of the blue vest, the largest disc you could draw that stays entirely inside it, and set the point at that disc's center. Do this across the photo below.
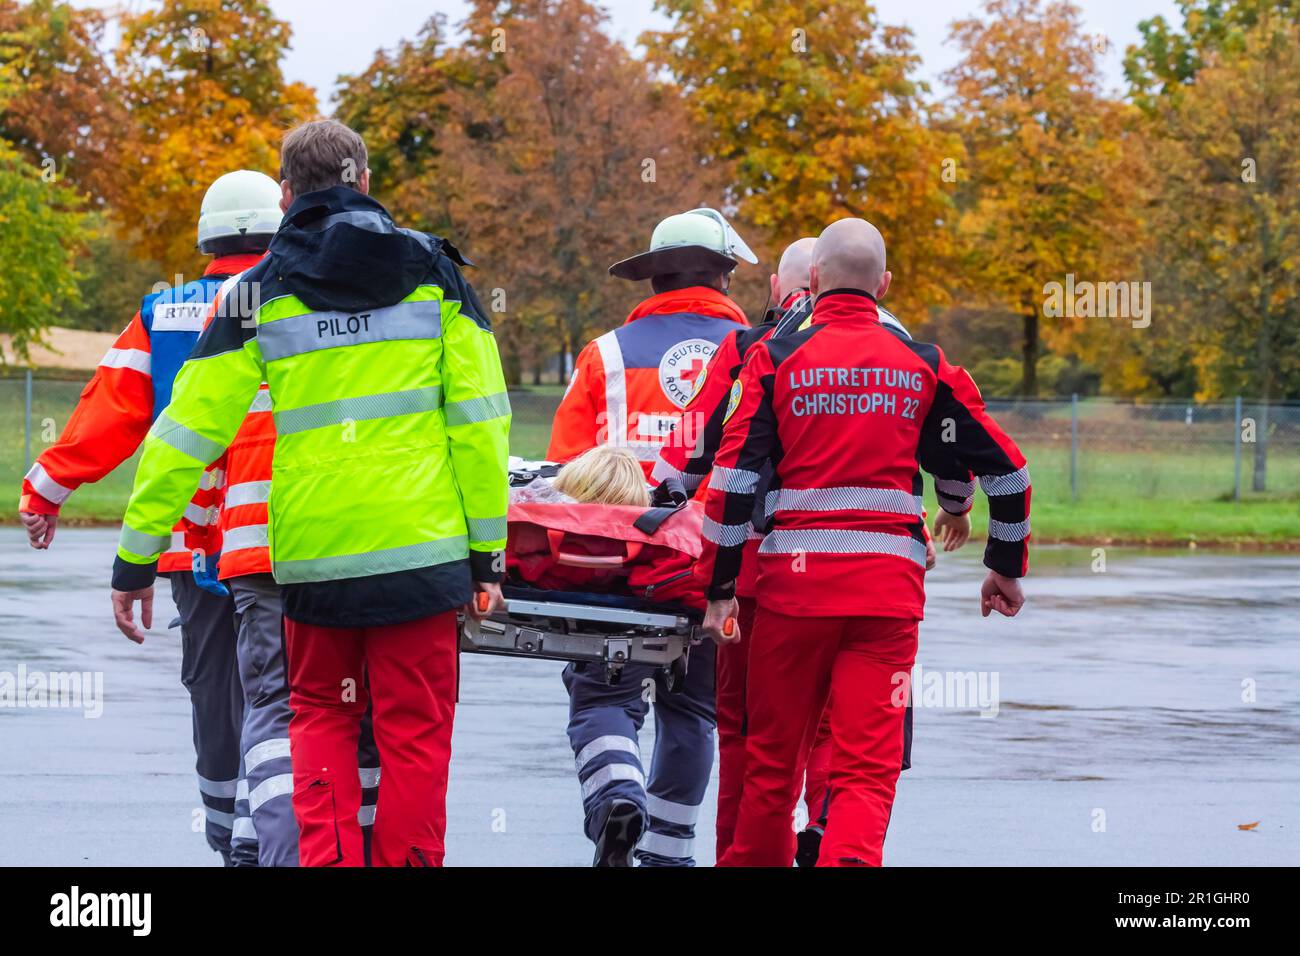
(173, 319)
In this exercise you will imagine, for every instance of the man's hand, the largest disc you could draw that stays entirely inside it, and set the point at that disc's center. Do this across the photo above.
(40, 528)
(930, 556)
(487, 601)
(1001, 594)
(952, 530)
(123, 612)
(715, 621)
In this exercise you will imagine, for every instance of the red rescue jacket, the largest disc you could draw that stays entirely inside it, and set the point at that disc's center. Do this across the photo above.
(845, 412)
(629, 386)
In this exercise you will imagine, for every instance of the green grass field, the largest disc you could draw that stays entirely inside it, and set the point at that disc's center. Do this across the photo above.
(1163, 493)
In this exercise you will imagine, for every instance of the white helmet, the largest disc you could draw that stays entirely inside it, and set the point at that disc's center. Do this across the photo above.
(242, 203)
(699, 240)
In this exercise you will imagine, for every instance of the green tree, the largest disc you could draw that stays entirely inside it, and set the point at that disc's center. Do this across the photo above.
(40, 232)
(1228, 223)
(1167, 57)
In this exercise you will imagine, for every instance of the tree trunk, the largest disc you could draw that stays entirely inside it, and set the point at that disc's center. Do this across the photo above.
(537, 373)
(510, 367)
(1029, 355)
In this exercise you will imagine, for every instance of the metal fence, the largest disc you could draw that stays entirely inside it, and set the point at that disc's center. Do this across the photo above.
(1079, 449)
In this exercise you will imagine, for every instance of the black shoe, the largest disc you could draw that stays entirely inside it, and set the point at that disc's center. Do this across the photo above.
(808, 846)
(620, 834)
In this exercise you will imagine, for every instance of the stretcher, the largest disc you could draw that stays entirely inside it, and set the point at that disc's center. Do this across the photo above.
(601, 630)
(570, 594)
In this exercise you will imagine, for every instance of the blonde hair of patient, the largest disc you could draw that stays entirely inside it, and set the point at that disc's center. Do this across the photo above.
(605, 474)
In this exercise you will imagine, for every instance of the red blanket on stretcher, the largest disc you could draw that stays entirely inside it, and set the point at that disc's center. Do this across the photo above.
(590, 547)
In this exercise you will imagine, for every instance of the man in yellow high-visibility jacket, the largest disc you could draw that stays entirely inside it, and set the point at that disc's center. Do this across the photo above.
(388, 496)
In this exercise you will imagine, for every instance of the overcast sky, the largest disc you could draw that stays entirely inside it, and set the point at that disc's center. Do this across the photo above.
(331, 37)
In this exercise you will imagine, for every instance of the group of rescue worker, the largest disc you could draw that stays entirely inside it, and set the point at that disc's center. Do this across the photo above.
(324, 428)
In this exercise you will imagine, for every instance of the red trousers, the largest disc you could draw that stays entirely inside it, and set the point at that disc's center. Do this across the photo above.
(816, 786)
(795, 665)
(732, 661)
(411, 671)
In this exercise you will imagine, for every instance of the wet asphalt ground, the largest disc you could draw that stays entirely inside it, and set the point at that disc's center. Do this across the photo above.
(1137, 715)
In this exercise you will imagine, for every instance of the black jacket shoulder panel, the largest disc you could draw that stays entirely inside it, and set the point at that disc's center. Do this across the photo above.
(447, 275)
(925, 351)
(781, 347)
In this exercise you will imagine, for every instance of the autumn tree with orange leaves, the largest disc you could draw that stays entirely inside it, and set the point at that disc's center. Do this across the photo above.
(1052, 186)
(545, 160)
(206, 95)
(816, 105)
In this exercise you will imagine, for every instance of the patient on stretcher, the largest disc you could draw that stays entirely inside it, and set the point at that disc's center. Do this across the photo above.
(605, 475)
(590, 528)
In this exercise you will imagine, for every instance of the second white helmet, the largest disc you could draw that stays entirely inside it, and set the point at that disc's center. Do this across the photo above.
(239, 204)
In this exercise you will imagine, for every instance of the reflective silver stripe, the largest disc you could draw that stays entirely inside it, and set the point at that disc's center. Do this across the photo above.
(646, 451)
(248, 493)
(245, 537)
(842, 541)
(298, 334)
(280, 785)
(201, 516)
(661, 844)
(145, 545)
(1011, 484)
(891, 500)
(725, 535)
(690, 482)
(735, 480)
(241, 791)
(366, 815)
(45, 486)
(954, 489)
(662, 470)
(243, 829)
(216, 478)
(1005, 531)
(185, 440)
(611, 357)
(481, 409)
(261, 402)
(423, 555)
(361, 218)
(362, 408)
(369, 777)
(177, 544)
(217, 788)
(609, 774)
(226, 820)
(680, 813)
(135, 359)
(487, 529)
(605, 744)
(260, 753)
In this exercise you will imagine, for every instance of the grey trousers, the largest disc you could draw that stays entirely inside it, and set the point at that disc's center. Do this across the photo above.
(210, 674)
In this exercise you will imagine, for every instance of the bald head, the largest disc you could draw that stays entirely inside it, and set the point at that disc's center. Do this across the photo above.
(850, 254)
(792, 272)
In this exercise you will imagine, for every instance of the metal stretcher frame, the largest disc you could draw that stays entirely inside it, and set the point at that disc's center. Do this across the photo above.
(564, 630)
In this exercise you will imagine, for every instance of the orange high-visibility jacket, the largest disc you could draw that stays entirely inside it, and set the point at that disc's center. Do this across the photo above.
(629, 386)
(130, 388)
